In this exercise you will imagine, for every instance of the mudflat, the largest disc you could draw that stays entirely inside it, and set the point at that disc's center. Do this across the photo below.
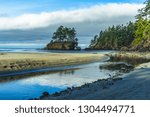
(27, 61)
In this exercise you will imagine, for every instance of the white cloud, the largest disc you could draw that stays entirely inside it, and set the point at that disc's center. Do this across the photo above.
(97, 13)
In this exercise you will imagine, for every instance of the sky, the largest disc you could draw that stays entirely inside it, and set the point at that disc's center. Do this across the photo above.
(87, 16)
(18, 7)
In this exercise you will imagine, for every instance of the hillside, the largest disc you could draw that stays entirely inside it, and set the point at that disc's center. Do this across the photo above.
(134, 36)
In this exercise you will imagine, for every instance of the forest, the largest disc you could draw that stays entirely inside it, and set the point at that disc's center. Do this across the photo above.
(132, 36)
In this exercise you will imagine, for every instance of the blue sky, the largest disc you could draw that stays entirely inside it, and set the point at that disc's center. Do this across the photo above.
(87, 16)
(26, 19)
(17, 7)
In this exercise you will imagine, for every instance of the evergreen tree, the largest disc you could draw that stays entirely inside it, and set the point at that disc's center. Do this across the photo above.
(143, 25)
(114, 37)
(64, 34)
(130, 35)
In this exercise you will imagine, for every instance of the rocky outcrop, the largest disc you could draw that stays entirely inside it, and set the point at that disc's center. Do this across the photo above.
(103, 46)
(121, 66)
(143, 46)
(134, 58)
(61, 45)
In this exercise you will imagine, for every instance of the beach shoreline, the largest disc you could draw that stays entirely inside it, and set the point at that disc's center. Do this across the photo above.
(129, 86)
(10, 62)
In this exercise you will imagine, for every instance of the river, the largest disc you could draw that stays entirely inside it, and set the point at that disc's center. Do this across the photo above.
(33, 86)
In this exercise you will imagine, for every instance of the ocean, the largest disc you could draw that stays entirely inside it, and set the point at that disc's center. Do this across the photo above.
(17, 43)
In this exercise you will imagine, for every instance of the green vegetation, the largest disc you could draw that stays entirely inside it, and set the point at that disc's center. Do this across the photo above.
(63, 39)
(114, 37)
(140, 31)
(143, 25)
(133, 36)
(64, 34)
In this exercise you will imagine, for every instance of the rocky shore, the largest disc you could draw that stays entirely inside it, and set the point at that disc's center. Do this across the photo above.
(134, 58)
(60, 46)
(131, 85)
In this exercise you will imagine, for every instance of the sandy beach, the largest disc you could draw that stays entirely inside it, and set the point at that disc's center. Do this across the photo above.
(27, 61)
(132, 85)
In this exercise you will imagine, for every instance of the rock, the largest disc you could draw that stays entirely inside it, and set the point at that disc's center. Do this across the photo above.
(87, 49)
(117, 78)
(143, 46)
(44, 94)
(78, 48)
(122, 67)
(124, 49)
(61, 45)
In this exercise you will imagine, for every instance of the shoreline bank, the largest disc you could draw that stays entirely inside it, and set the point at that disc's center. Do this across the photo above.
(131, 86)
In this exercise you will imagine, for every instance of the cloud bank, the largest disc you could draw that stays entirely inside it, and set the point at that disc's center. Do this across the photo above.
(102, 13)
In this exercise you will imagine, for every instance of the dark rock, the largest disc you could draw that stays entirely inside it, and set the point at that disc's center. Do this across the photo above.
(143, 46)
(117, 78)
(132, 59)
(78, 48)
(68, 45)
(56, 94)
(122, 67)
(45, 94)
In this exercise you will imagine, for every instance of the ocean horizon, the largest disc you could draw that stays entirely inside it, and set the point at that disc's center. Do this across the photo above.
(33, 42)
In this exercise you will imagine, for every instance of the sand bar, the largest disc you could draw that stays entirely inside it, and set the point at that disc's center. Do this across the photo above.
(27, 61)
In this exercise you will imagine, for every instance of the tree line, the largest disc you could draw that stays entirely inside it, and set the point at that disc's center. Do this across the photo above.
(114, 37)
(134, 35)
(130, 35)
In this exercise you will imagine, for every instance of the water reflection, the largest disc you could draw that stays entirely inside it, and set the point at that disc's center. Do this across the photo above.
(33, 86)
(29, 73)
(67, 78)
(66, 72)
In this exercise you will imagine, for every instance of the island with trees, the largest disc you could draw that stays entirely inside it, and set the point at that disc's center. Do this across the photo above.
(64, 39)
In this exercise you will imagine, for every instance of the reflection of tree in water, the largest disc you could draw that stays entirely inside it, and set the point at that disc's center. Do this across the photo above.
(133, 60)
(70, 71)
